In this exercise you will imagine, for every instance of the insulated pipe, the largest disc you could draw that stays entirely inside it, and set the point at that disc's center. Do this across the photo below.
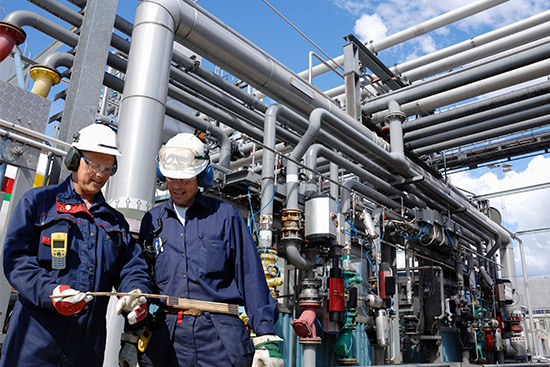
(527, 295)
(11, 126)
(22, 18)
(394, 119)
(204, 34)
(378, 183)
(468, 127)
(473, 108)
(292, 246)
(507, 79)
(368, 192)
(477, 41)
(292, 168)
(143, 107)
(197, 123)
(463, 76)
(268, 177)
(416, 136)
(492, 133)
(33, 143)
(415, 31)
(494, 48)
(210, 110)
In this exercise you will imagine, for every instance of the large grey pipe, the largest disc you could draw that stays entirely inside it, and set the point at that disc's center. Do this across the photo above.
(143, 108)
(292, 246)
(460, 77)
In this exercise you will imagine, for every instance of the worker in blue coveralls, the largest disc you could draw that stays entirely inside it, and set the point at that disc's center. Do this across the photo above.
(203, 250)
(63, 241)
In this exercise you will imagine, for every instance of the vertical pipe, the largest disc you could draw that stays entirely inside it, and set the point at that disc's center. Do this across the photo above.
(309, 355)
(143, 107)
(528, 298)
(268, 177)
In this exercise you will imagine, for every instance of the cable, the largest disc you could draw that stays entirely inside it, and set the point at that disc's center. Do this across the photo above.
(263, 249)
(367, 253)
(354, 233)
(259, 211)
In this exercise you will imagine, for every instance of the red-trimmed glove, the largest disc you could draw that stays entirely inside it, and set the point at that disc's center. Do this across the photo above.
(136, 305)
(72, 301)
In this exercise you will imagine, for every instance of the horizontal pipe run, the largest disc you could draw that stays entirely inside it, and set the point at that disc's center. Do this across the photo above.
(34, 134)
(494, 48)
(507, 79)
(472, 126)
(476, 107)
(33, 143)
(415, 31)
(493, 133)
(474, 118)
(471, 43)
(470, 74)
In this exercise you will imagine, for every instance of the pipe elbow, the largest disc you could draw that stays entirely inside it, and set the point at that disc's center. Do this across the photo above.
(58, 59)
(172, 7)
(295, 258)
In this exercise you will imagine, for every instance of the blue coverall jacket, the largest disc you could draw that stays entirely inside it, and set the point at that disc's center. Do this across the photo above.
(212, 258)
(101, 255)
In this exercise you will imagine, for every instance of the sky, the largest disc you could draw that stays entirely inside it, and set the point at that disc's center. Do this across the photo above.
(326, 22)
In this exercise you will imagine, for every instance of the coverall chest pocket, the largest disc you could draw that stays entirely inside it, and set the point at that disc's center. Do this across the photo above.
(46, 229)
(213, 256)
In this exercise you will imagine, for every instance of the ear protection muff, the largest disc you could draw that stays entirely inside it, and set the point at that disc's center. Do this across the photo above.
(115, 167)
(72, 159)
(206, 177)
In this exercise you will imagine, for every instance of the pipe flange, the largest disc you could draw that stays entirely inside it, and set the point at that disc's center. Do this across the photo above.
(47, 71)
(395, 114)
(17, 32)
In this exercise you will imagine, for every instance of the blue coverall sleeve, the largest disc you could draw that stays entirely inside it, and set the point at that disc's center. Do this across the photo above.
(20, 256)
(261, 307)
(134, 271)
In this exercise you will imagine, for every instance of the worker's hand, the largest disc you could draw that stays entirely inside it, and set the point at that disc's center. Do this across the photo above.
(267, 352)
(136, 305)
(72, 302)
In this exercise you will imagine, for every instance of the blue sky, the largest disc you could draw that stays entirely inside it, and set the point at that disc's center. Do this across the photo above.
(326, 22)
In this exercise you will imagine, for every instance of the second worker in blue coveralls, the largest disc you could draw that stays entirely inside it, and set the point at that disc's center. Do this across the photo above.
(203, 250)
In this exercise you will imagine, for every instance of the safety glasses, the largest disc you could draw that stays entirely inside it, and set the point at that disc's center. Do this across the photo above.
(97, 167)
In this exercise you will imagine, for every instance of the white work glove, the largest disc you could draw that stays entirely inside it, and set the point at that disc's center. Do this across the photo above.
(267, 352)
(72, 301)
(136, 305)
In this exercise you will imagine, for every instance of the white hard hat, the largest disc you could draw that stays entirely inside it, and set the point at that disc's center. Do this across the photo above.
(97, 138)
(183, 156)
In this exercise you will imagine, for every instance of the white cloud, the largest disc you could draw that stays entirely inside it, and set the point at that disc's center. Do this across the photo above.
(397, 15)
(521, 211)
(370, 28)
